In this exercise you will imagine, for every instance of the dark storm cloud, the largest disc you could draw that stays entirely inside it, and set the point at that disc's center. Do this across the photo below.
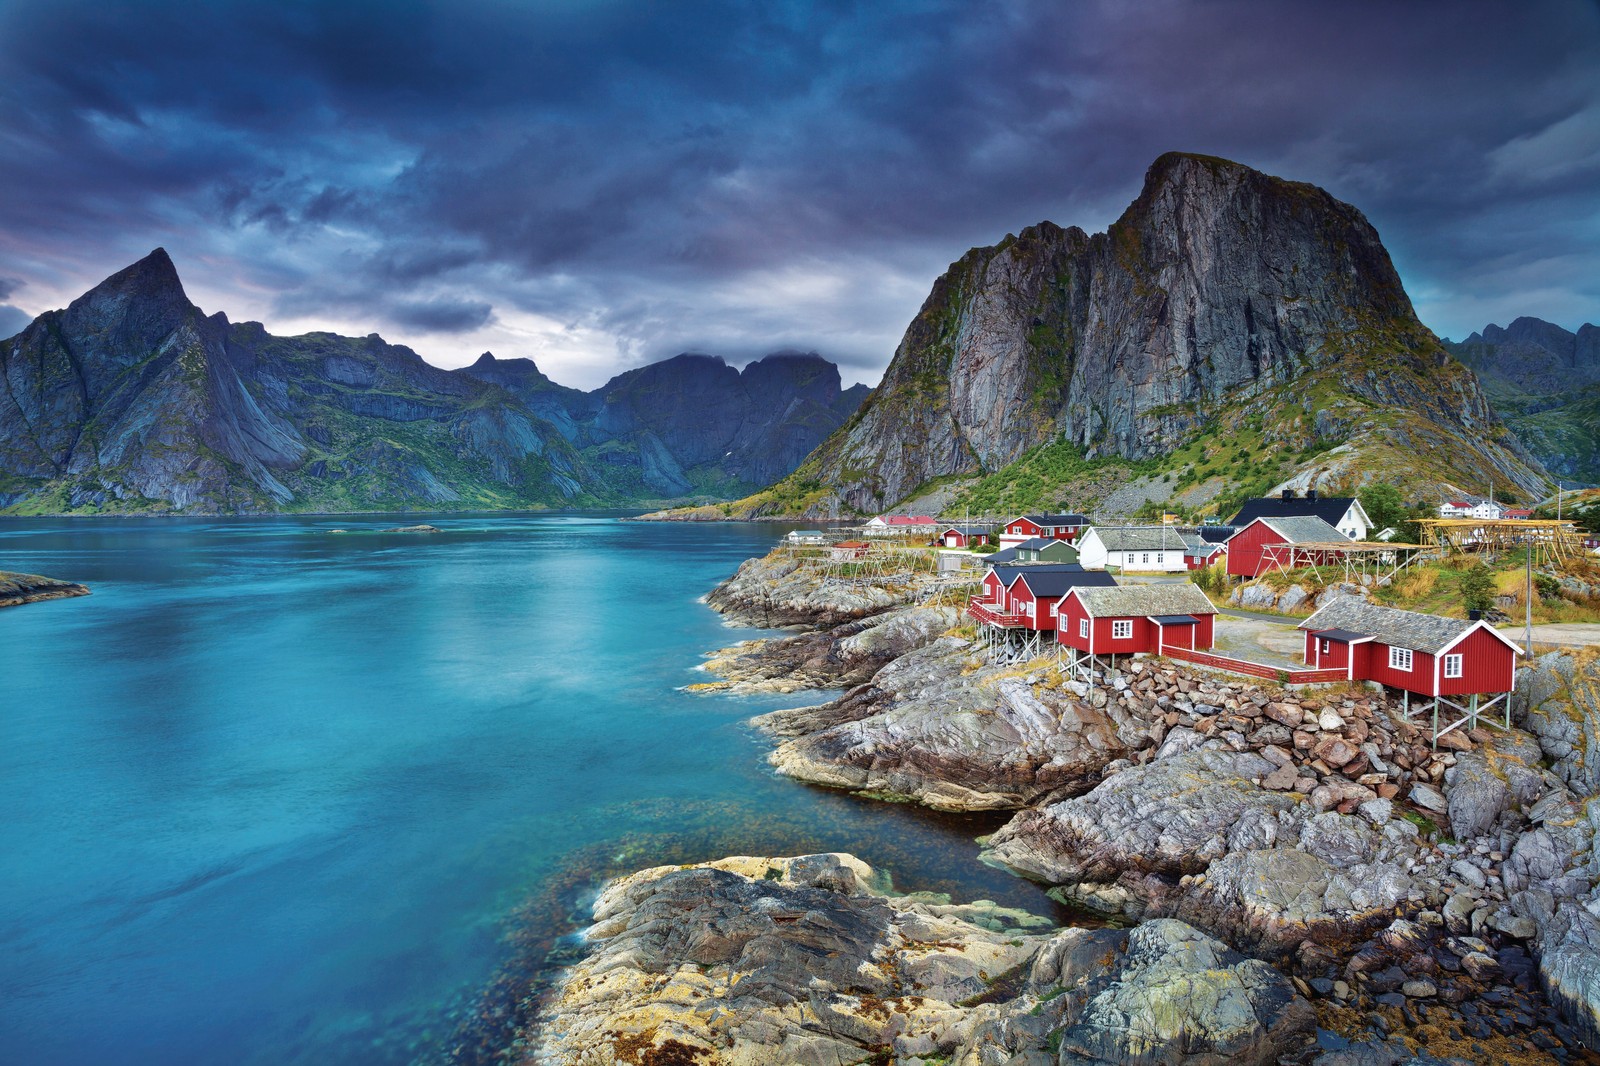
(13, 320)
(441, 316)
(741, 177)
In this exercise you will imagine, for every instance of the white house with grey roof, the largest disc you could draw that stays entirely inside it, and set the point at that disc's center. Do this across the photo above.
(1157, 549)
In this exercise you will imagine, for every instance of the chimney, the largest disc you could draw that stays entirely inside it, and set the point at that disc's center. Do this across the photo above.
(1474, 616)
(1288, 494)
(1311, 494)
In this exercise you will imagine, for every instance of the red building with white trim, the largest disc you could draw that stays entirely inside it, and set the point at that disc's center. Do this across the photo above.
(1132, 619)
(1050, 526)
(1253, 548)
(963, 536)
(1424, 654)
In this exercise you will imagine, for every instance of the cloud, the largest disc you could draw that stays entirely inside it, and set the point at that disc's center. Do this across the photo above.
(605, 183)
(442, 315)
(13, 320)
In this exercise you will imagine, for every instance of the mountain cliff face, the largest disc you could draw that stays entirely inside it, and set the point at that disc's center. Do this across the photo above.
(692, 423)
(1220, 295)
(132, 399)
(1545, 381)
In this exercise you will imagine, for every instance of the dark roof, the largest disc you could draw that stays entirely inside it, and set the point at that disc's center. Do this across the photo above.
(1059, 577)
(1003, 556)
(1037, 543)
(968, 531)
(1175, 619)
(1072, 574)
(1215, 534)
(1056, 519)
(1343, 636)
(1328, 508)
(1388, 625)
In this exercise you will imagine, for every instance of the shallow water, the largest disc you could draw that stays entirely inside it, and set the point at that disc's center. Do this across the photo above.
(270, 795)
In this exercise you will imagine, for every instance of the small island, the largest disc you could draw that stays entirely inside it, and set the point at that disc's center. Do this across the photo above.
(16, 589)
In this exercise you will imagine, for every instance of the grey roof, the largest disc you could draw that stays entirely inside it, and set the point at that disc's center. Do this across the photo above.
(967, 531)
(1036, 543)
(1429, 633)
(1140, 538)
(1170, 597)
(1305, 530)
(1343, 636)
(1204, 548)
(1003, 556)
(1328, 508)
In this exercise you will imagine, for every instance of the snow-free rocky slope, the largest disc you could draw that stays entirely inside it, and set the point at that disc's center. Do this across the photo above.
(133, 400)
(1223, 301)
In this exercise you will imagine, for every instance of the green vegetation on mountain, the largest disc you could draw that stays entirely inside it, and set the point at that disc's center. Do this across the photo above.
(1229, 332)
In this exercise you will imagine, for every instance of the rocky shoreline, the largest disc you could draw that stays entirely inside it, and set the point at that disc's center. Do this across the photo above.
(1374, 900)
(17, 589)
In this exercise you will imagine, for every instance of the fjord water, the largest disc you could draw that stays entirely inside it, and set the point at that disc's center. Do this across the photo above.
(272, 795)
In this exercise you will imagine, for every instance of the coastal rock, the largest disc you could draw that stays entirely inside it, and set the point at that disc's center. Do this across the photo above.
(842, 657)
(1174, 995)
(17, 589)
(932, 727)
(787, 589)
(1557, 699)
(749, 961)
(413, 529)
(1171, 817)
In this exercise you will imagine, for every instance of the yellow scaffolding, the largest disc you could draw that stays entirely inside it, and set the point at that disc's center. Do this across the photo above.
(1552, 542)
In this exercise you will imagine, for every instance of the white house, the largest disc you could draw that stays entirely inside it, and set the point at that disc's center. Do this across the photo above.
(1455, 509)
(1146, 548)
(1489, 511)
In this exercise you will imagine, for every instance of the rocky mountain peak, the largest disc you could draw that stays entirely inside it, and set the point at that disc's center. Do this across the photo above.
(1219, 283)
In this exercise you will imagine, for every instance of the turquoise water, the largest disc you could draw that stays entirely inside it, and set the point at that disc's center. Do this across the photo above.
(271, 795)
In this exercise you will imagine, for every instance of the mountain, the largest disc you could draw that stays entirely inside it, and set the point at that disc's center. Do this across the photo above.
(1545, 381)
(133, 400)
(692, 423)
(1230, 331)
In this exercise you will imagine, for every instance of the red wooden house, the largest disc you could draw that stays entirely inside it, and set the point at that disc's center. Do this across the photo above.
(1442, 660)
(1264, 543)
(1132, 619)
(1426, 654)
(963, 536)
(1050, 526)
(1026, 597)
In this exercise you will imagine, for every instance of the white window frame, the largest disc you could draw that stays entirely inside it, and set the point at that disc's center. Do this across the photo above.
(1145, 559)
(1454, 666)
(1122, 629)
(1400, 659)
(1083, 627)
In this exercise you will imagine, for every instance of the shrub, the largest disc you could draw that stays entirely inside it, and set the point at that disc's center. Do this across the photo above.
(1477, 588)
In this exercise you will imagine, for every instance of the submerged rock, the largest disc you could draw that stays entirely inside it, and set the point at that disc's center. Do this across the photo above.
(413, 529)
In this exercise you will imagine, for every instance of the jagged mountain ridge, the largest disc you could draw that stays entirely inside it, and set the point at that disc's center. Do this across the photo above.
(132, 399)
(1221, 296)
(1545, 382)
(771, 415)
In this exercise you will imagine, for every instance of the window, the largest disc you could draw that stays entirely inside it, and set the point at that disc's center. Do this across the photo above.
(1121, 630)
(1400, 659)
(1452, 666)
(1083, 627)
(1146, 558)
(1327, 646)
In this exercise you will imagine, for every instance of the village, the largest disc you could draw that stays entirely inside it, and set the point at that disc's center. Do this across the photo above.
(1289, 590)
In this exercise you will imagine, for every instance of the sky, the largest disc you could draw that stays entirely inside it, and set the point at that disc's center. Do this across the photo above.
(597, 184)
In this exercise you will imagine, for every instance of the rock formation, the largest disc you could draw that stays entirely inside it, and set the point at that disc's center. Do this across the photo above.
(751, 961)
(1218, 289)
(1545, 381)
(17, 589)
(132, 399)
